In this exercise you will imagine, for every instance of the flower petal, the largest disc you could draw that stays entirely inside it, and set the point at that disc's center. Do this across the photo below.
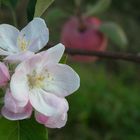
(36, 33)
(25, 113)
(4, 75)
(41, 118)
(17, 58)
(47, 103)
(12, 111)
(53, 54)
(64, 80)
(19, 87)
(57, 122)
(53, 121)
(8, 38)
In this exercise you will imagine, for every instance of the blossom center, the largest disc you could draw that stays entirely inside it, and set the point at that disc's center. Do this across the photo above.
(22, 43)
(36, 80)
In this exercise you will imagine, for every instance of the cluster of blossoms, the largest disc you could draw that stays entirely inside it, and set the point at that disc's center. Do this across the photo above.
(34, 81)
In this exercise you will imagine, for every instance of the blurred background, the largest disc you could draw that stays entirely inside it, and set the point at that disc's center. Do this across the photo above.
(107, 105)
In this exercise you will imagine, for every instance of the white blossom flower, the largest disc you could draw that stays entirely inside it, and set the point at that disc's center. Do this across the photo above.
(19, 45)
(44, 82)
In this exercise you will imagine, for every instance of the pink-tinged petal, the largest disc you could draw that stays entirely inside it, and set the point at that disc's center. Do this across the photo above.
(57, 121)
(54, 54)
(41, 118)
(64, 80)
(36, 33)
(4, 74)
(19, 57)
(10, 103)
(34, 63)
(30, 65)
(37, 62)
(19, 87)
(8, 38)
(47, 103)
(23, 114)
(12, 111)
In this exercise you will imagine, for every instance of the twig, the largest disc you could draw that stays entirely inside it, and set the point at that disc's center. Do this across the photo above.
(102, 54)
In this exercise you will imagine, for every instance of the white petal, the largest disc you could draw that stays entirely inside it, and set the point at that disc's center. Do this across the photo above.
(64, 80)
(25, 113)
(36, 34)
(8, 37)
(19, 57)
(32, 64)
(54, 54)
(19, 87)
(47, 103)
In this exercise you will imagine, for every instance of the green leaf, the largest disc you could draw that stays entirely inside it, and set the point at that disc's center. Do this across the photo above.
(22, 130)
(11, 5)
(115, 33)
(11, 2)
(100, 7)
(41, 7)
(31, 9)
(64, 59)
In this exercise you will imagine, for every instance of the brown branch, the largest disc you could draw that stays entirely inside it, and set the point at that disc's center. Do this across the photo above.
(102, 54)
(106, 54)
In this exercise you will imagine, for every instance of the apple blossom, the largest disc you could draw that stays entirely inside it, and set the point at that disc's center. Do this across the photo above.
(44, 83)
(19, 45)
(4, 74)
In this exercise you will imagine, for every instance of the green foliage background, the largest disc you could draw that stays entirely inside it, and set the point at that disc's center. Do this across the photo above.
(107, 105)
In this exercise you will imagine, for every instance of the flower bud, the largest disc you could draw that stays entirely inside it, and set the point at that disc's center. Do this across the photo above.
(4, 74)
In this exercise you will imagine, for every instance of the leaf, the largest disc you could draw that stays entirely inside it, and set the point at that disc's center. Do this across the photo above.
(11, 5)
(100, 7)
(11, 2)
(115, 33)
(22, 130)
(31, 9)
(41, 7)
(64, 59)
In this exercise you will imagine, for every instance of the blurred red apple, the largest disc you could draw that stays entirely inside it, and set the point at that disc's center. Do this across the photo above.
(86, 37)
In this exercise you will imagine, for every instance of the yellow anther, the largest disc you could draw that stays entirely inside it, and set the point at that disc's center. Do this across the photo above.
(35, 81)
(22, 43)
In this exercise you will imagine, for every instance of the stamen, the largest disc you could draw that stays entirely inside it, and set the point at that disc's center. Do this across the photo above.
(39, 80)
(35, 81)
(22, 43)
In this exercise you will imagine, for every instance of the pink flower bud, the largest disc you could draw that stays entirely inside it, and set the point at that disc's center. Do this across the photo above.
(4, 74)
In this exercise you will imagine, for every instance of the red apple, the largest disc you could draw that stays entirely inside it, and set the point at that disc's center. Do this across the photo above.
(88, 38)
